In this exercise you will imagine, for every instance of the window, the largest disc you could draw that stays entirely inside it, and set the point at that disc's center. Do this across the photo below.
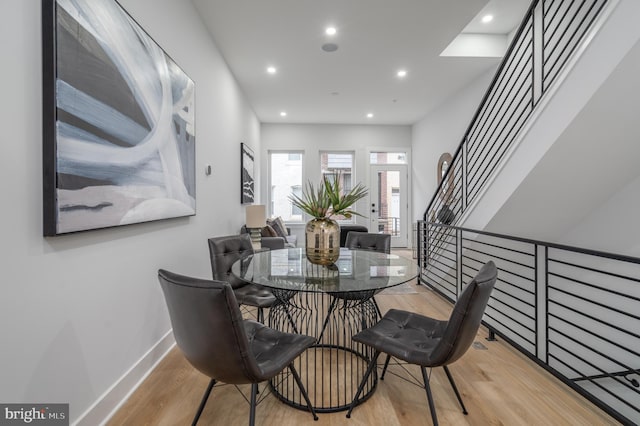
(285, 170)
(388, 158)
(333, 164)
(296, 213)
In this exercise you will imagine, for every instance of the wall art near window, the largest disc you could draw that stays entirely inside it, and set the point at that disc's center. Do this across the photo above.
(247, 181)
(119, 121)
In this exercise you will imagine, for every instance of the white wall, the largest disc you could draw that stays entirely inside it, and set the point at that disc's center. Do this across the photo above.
(442, 131)
(612, 227)
(313, 138)
(79, 311)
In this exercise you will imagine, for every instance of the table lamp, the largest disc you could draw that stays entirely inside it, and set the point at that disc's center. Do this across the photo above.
(256, 219)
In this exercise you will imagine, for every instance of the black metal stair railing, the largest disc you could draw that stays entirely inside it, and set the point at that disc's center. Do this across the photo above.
(571, 310)
(549, 34)
(574, 311)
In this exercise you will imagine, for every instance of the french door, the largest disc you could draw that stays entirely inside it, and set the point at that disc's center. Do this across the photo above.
(388, 205)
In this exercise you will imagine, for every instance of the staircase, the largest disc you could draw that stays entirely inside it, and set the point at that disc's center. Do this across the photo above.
(553, 139)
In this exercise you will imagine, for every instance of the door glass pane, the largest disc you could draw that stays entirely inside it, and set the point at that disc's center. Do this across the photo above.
(388, 210)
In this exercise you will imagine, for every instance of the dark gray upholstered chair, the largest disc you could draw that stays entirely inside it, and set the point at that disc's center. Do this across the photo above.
(359, 241)
(428, 342)
(210, 332)
(368, 241)
(224, 251)
(345, 229)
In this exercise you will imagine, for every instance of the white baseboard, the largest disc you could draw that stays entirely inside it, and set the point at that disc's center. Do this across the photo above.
(107, 405)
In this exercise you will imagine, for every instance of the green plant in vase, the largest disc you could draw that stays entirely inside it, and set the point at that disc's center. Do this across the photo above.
(327, 200)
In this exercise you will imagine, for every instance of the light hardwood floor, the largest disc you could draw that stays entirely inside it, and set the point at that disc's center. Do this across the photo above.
(498, 385)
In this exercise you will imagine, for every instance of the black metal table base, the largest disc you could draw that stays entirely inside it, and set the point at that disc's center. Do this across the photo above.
(332, 369)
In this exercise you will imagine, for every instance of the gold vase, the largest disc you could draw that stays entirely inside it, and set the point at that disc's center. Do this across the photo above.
(322, 241)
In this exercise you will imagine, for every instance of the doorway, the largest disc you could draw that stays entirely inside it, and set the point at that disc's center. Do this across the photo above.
(389, 207)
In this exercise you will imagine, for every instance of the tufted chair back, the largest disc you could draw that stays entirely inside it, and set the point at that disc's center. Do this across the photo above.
(224, 251)
(208, 327)
(463, 324)
(368, 241)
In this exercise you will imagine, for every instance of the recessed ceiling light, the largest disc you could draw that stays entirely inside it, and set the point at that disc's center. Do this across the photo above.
(487, 18)
(330, 31)
(370, 115)
(283, 114)
(271, 70)
(402, 73)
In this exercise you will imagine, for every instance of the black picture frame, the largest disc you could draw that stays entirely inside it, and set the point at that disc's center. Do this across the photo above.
(247, 170)
(118, 122)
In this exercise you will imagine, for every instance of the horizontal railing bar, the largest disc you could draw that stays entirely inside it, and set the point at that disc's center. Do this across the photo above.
(608, 375)
(591, 317)
(567, 43)
(594, 382)
(526, 290)
(612, 274)
(531, 328)
(500, 247)
(525, 112)
(593, 302)
(478, 146)
(443, 271)
(482, 178)
(500, 257)
(502, 269)
(438, 291)
(481, 135)
(524, 302)
(561, 55)
(557, 27)
(586, 284)
(433, 273)
(523, 99)
(588, 348)
(585, 330)
(532, 343)
(443, 290)
(497, 90)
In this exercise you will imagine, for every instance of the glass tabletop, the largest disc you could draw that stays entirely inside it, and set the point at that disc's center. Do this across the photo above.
(355, 270)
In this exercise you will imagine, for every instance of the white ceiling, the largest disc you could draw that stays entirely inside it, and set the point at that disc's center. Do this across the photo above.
(375, 39)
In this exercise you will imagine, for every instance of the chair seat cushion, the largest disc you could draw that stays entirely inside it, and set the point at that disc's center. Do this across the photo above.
(406, 336)
(274, 350)
(254, 295)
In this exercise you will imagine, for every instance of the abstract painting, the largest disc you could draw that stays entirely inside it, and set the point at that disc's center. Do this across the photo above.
(119, 121)
(247, 176)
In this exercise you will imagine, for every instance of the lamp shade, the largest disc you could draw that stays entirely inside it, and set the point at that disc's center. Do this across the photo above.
(256, 217)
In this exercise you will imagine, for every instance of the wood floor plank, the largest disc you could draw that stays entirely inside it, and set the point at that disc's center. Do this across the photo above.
(499, 386)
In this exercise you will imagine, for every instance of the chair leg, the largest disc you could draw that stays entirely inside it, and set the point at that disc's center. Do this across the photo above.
(372, 365)
(455, 389)
(260, 315)
(386, 364)
(203, 402)
(252, 409)
(296, 376)
(432, 406)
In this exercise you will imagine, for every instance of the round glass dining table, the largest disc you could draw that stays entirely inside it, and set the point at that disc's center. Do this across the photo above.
(331, 303)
